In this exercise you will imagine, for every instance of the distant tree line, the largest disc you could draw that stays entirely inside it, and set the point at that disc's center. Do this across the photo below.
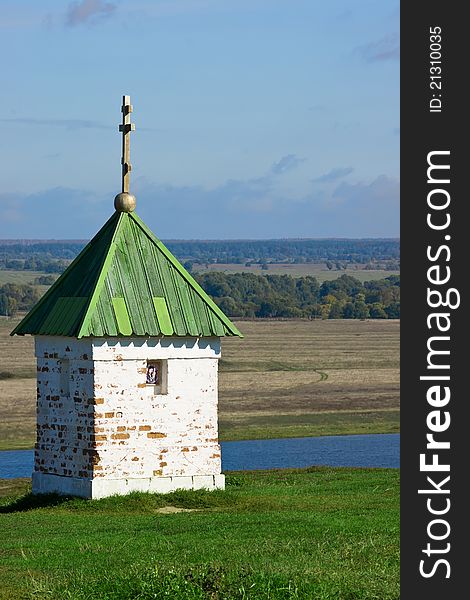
(25, 250)
(53, 257)
(269, 296)
(14, 297)
(47, 265)
(250, 295)
(336, 252)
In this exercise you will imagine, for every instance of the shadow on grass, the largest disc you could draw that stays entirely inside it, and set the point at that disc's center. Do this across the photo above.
(32, 501)
(146, 502)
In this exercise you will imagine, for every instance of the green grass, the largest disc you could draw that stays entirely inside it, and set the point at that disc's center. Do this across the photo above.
(256, 427)
(316, 534)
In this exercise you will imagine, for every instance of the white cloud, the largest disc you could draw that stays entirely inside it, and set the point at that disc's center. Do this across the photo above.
(253, 208)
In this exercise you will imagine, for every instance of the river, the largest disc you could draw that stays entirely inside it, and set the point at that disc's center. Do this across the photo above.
(372, 450)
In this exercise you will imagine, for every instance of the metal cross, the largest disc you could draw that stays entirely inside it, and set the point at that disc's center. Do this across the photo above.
(126, 128)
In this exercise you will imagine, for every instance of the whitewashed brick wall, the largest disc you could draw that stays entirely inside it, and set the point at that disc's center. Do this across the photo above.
(111, 425)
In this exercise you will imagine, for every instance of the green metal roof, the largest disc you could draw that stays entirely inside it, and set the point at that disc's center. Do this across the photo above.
(125, 282)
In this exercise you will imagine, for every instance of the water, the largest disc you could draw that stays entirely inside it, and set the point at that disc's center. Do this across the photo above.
(373, 450)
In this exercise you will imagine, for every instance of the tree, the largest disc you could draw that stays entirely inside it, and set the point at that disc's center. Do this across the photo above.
(393, 310)
(8, 305)
(267, 296)
(230, 307)
(377, 311)
(348, 311)
(361, 310)
(336, 311)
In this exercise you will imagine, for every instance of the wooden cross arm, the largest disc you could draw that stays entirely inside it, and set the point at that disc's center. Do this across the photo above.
(127, 127)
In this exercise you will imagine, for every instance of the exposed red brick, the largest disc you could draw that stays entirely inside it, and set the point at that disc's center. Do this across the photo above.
(144, 428)
(163, 464)
(120, 436)
(158, 472)
(121, 428)
(156, 434)
(108, 415)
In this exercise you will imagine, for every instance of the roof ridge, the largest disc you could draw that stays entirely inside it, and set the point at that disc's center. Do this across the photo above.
(83, 326)
(184, 273)
(65, 275)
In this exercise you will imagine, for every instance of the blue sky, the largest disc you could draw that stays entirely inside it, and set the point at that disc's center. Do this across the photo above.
(254, 118)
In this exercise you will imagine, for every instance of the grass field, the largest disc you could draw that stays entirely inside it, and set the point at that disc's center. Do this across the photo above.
(284, 379)
(318, 270)
(300, 378)
(19, 277)
(22, 278)
(313, 534)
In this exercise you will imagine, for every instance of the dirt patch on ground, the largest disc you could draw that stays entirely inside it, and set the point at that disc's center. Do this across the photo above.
(171, 510)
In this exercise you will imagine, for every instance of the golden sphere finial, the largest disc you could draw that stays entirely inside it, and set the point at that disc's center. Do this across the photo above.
(125, 202)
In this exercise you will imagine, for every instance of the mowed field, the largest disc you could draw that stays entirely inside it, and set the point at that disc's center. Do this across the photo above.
(288, 378)
(19, 277)
(300, 378)
(23, 278)
(318, 270)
